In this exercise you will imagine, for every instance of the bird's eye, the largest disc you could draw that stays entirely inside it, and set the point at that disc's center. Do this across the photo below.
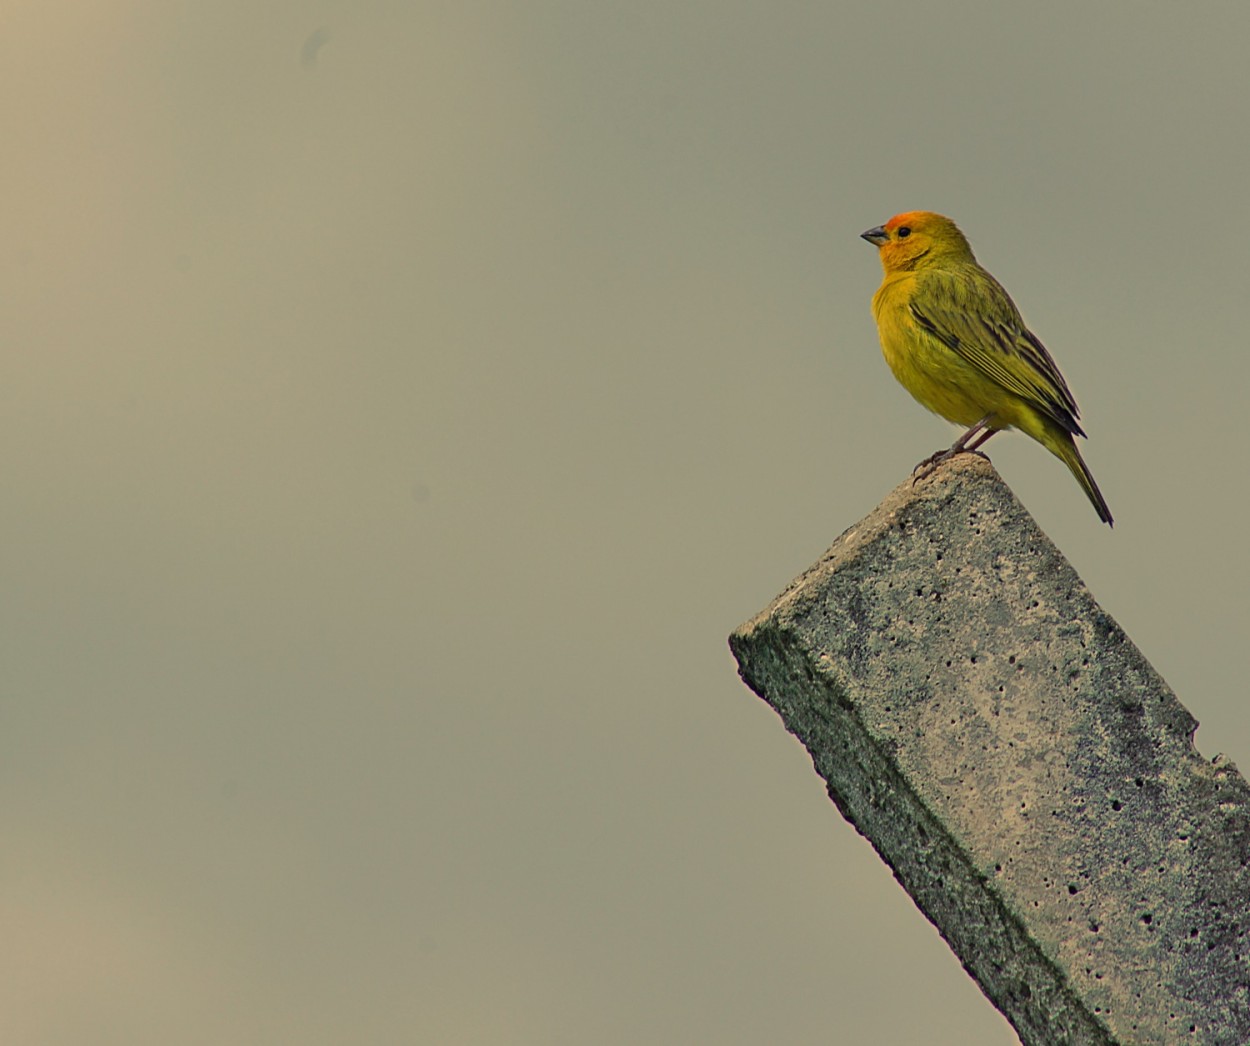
(904, 231)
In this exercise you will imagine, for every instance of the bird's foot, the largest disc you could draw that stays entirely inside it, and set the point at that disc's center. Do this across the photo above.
(929, 465)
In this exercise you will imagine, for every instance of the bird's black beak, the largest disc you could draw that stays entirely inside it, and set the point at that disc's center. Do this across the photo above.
(876, 236)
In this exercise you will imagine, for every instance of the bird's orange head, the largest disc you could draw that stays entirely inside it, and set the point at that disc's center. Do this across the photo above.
(916, 239)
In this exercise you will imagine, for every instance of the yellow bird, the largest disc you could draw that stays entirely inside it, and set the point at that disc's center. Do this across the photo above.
(956, 341)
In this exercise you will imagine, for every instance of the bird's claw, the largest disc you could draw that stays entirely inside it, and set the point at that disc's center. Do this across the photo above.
(929, 465)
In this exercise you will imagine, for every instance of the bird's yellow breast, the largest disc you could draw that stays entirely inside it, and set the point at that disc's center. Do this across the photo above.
(929, 369)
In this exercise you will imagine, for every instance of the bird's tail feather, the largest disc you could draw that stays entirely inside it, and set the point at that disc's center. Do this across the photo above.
(1071, 456)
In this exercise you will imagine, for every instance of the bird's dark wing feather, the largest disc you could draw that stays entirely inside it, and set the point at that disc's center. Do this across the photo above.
(972, 314)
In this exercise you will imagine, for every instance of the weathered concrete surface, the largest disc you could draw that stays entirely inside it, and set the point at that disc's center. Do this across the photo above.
(1017, 762)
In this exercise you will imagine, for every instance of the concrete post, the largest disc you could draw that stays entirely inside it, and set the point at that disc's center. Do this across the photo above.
(1015, 760)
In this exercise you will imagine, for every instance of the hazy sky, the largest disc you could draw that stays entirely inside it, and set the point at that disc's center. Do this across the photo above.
(401, 403)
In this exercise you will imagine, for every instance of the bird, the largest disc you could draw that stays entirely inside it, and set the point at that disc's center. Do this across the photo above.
(956, 341)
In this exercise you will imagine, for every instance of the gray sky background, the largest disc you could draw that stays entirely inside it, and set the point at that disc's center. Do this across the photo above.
(401, 403)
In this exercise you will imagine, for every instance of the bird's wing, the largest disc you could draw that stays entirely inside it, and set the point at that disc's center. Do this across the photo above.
(976, 318)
